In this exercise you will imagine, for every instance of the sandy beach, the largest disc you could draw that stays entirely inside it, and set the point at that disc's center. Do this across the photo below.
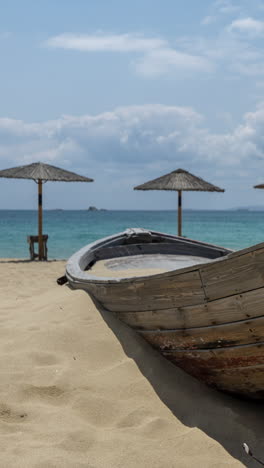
(80, 389)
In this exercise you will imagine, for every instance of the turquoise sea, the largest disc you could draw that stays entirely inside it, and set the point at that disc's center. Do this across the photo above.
(70, 230)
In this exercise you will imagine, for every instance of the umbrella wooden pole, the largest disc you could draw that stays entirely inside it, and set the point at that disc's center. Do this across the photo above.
(40, 239)
(179, 213)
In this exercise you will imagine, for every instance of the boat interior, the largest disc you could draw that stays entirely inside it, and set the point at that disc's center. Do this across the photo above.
(138, 252)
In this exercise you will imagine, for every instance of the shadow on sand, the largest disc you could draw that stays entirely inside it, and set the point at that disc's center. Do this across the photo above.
(228, 420)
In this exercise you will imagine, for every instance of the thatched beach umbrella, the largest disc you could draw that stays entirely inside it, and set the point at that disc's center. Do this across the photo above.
(179, 180)
(40, 172)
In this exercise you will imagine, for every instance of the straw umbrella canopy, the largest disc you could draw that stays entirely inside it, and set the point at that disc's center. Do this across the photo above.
(179, 181)
(41, 173)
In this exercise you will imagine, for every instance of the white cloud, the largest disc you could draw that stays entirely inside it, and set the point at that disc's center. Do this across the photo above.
(162, 61)
(157, 57)
(227, 53)
(135, 139)
(231, 50)
(248, 26)
(57, 151)
(106, 43)
(219, 9)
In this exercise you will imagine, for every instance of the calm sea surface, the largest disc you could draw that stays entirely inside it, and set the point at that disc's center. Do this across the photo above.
(70, 230)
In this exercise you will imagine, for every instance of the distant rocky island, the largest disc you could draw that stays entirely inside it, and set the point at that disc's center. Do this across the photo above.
(93, 208)
(249, 208)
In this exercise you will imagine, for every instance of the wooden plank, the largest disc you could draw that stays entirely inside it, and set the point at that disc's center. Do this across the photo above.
(252, 248)
(150, 294)
(226, 310)
(233, 275)
(31, 239)
(231, 334)
(238, 370)
(161, 237)
(179, 248)
(248, 382)
(132, 249)
(193, 360)
(80, 260)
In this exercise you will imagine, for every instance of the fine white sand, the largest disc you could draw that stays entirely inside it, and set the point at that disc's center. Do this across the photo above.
(80, 389)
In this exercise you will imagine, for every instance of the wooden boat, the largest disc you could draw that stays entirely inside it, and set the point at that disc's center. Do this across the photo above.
(204, 311)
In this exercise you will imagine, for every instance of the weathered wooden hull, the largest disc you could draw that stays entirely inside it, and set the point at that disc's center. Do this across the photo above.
(207, 319)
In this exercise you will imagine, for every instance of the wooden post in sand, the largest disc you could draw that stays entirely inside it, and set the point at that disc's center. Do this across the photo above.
(40, 240)
(179, 212)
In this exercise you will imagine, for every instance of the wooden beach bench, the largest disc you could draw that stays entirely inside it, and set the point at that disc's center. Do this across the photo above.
(34, 240)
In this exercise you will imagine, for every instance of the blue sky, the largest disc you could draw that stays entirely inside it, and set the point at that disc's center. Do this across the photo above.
(127, 91)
